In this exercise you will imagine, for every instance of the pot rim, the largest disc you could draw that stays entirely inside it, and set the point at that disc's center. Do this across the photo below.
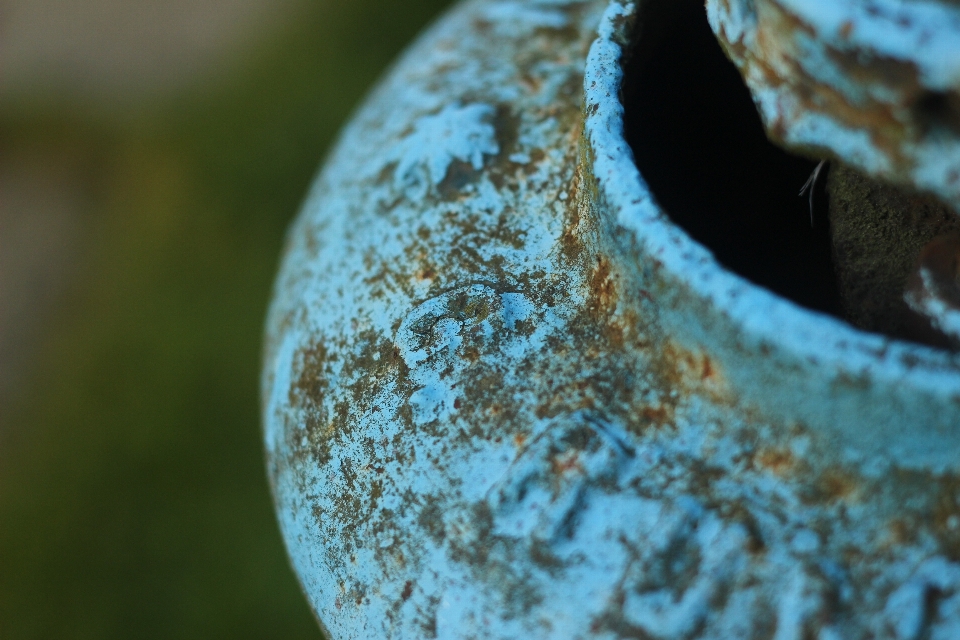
(803, 333)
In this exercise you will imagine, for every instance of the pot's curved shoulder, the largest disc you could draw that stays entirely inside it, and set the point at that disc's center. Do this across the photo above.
(505, 398)
(433, 261)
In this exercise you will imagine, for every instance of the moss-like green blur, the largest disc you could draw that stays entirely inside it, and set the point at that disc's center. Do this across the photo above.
(133, 500)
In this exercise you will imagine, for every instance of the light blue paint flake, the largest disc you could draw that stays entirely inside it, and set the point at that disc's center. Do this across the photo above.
(457, 132)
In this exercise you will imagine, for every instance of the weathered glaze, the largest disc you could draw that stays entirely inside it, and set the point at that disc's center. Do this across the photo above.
(504, 397)
(874, 83)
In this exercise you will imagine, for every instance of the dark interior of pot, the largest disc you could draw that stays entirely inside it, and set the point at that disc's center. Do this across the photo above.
(699, 144)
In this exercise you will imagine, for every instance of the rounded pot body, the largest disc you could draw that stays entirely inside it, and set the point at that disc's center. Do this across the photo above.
(505, 397)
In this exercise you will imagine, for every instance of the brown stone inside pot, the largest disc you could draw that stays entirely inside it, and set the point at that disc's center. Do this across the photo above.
(878, 233)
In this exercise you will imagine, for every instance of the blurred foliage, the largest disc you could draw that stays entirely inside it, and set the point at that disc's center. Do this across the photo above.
(133, 500)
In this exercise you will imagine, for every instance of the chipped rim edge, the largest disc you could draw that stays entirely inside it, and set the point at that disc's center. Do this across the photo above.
(765, 316)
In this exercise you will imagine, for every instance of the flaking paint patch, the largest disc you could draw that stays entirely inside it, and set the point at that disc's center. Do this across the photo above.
(456, 132)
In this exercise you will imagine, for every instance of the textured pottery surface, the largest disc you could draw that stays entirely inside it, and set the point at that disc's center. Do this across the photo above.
(875, 83)
(504, 397)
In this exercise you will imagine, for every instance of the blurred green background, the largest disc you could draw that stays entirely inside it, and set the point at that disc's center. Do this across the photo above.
(141, 218)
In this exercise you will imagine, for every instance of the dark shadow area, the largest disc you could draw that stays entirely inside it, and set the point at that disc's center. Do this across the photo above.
(699, 144)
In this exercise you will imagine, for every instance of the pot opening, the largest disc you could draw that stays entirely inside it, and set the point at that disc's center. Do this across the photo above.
(699, 144)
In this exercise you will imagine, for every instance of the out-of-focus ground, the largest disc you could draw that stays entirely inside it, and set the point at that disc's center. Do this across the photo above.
(152, 153)
(122, 50)
(40, 230)
(107, 56)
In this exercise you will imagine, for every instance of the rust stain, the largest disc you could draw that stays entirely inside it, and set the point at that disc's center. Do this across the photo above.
(779, 461)
(846, 29)
(901, 532)
(571, 244)
(662, 414)
(946, 516)
(692, 371)
(427, 273)
(603, 289)
(312, 381)
(519, 440)
(562, 464)
(837, 484)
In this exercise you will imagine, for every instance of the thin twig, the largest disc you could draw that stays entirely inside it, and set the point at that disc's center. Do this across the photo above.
(811, 186)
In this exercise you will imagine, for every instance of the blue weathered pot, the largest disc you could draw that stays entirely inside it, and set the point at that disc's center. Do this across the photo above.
(505, 397)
